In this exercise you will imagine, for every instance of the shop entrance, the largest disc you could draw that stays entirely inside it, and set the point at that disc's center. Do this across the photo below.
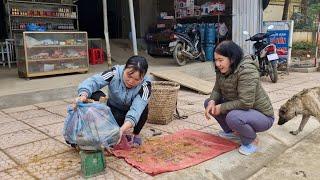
(118, 19)
(91, 18)
(2, 22)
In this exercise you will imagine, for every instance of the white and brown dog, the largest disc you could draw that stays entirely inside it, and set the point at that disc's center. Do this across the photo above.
(306, 102)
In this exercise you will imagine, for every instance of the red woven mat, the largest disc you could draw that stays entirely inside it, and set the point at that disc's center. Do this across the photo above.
(174, 152)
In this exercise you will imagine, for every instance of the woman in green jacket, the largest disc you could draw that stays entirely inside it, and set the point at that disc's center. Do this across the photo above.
(238, 102)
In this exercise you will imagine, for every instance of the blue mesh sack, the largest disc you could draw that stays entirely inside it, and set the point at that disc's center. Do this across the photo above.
(91, 126)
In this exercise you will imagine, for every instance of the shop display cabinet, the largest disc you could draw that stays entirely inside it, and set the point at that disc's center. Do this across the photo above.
(50, 15)
(50, 53)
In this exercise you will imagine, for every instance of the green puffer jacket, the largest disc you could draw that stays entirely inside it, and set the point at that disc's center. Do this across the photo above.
(242, 89)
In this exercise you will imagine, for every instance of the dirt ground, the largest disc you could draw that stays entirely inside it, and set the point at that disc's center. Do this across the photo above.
(303, 54)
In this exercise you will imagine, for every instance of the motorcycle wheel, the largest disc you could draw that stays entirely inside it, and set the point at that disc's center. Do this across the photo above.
(177, 55)
(202, 56)
(150, 49)
(273, 72)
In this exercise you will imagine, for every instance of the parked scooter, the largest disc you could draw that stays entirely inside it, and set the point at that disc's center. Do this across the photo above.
(266, 54)
(187, 46)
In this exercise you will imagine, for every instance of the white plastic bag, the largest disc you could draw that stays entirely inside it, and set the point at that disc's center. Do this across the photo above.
(91, 126)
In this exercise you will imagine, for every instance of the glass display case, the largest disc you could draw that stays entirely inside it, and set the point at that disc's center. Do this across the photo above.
(49, 53)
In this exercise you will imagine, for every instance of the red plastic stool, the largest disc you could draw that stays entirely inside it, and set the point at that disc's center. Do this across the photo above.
(96, 56)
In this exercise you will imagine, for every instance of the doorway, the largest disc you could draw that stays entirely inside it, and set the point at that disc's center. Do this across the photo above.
(91, 18)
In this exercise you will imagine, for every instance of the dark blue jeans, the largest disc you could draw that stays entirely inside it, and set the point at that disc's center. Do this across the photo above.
(246, 122)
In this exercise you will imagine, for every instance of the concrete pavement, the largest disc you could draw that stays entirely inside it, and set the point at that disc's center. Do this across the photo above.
(32, 146)
(300, 161)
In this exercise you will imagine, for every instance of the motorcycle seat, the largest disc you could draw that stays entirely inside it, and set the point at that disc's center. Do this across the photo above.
(184, 35)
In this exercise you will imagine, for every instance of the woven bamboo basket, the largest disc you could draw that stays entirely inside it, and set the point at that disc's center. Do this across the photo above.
(163, 102)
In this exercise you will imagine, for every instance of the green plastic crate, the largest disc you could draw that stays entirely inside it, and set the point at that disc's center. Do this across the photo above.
(92, 163)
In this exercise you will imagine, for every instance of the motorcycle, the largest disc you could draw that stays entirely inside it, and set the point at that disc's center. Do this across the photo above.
(158, 41)
(266, 53)
(187, 46)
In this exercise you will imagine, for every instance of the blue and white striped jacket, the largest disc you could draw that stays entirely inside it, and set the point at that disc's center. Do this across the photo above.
(133, 100)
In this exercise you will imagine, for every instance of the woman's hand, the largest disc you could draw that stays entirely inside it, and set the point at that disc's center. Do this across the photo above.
(217, 110)
(120, 133)
(126, 126)
(210, 110)
(81, 98)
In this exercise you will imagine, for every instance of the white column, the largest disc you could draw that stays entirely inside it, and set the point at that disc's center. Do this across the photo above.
(133, 28)
(291, 25)
(317, 45)
(106, 31)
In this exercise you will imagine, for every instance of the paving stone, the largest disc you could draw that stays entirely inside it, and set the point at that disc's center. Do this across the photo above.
(214, 129)
(197, 107)
(276, 106)
(314, 75)
(303, 86)
(270, 87)
(297, 81)
(61, 110)
(110, 158)
(36, 151)
(53, 129)
(146, 132)
(199, 119)
(184, 92)
(282, 133)
(79, 177)
(311, 84)
(291, 75)
(316, 79)
(190, 173)
(68, 101)
(29, 114)
(60, 138)
(6, 162)
(185, 112)
(183, 102)
(177, 125)
(44, 120)
(194, 97)
(298, 162)
(121, 166)
(15, 173)
(51, 103)
(187, 91)
(58, 167)
(109, 174)
(280, 95)
(5, 119)
(12, 127)
(19, 109)
(20, 137)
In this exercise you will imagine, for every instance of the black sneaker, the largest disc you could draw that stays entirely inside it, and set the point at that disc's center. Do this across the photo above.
(71, 144)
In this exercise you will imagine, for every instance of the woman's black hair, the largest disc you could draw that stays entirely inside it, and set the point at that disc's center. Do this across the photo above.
(137, 63)
(232, 51)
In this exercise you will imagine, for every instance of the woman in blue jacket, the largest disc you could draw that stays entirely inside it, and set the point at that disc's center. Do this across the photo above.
(128, 94)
